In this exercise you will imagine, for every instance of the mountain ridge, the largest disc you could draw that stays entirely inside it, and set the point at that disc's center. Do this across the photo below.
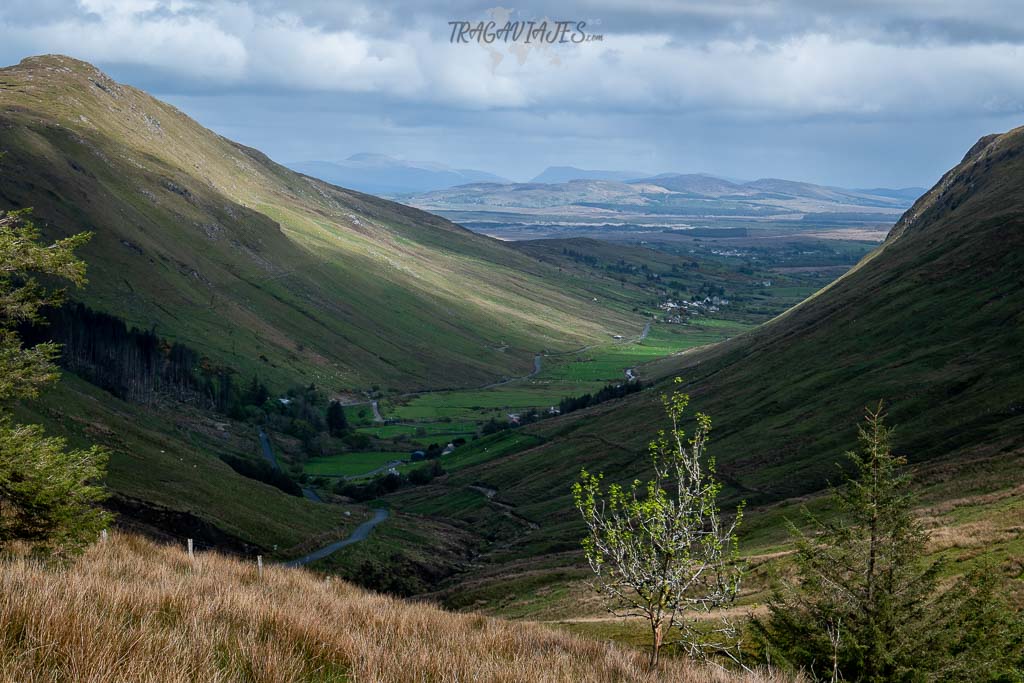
(561, 174)
(321, 282)
(929, 323)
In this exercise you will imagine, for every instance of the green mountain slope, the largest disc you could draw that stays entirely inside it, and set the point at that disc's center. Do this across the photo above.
(932, 322)
(263, 269)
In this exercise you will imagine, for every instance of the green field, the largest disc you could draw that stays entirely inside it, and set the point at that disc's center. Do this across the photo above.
(607, 363)
(352, 464)
(561, 376)
(421, 432)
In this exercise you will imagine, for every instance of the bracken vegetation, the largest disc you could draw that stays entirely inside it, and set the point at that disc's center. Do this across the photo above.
(130, 610)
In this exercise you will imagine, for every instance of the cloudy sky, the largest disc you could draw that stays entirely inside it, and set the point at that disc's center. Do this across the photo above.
(846, 92)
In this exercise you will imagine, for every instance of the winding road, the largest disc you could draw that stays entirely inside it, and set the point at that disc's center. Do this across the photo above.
(268, 454)
(360, 534)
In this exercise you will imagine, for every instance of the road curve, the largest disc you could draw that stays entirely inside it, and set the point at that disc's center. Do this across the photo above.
(268, 453)
(360, 534)
(312, 495)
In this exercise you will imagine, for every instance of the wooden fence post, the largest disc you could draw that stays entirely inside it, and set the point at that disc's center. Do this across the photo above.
(103, 536)
(259, 565)
(191, 554)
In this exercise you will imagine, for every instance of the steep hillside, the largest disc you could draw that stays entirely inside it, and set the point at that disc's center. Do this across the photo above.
(931, 323)
(134, 611)
(258, 267)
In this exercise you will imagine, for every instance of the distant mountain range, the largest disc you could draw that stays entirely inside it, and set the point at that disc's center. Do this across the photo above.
(382, 174)
(563, 174)
(678, 194)
(437, 185)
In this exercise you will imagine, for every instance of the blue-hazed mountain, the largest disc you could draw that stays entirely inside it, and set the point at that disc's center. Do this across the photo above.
(690, 194)
(382, 174)
(563, 174)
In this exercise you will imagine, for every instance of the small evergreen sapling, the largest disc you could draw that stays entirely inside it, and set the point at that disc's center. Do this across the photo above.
(867, 606)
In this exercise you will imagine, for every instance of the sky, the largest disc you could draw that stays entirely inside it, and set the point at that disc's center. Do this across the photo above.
(855, 93)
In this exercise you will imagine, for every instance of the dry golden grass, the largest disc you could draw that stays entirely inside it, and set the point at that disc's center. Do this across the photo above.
(131, 610)
(978, 534)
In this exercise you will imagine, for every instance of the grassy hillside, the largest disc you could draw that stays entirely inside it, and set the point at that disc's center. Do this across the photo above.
(260, 268)
(132, 610)
(931, 322)
(168, 479)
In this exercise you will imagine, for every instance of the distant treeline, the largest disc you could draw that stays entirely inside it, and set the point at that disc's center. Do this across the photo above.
(134, 365)
(606, 393)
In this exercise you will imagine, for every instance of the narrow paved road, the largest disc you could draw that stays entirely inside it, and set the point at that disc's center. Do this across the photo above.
(631, 372)
(377, 417)
(360, 534)
(312, 495)
(268, 454)
(361, 531)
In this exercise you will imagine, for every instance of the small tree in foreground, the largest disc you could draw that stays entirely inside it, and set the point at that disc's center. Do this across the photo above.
(48, 495)
(867, 606)
(662, 549)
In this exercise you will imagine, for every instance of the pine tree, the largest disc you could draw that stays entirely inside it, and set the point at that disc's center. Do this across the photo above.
(866, 606)
(337, 423)
(257, 394)
(48, 495)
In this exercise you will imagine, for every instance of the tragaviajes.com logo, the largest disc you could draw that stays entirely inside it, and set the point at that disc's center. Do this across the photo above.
(501, 35)
(542, 32)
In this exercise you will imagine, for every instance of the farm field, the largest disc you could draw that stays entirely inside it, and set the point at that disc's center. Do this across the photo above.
(352, 464)
(609, 363)
(450, 413)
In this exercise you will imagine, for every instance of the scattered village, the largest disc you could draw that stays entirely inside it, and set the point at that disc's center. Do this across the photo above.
(678, 312)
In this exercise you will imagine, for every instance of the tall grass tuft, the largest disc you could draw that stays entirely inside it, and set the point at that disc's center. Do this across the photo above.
(131, 610)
